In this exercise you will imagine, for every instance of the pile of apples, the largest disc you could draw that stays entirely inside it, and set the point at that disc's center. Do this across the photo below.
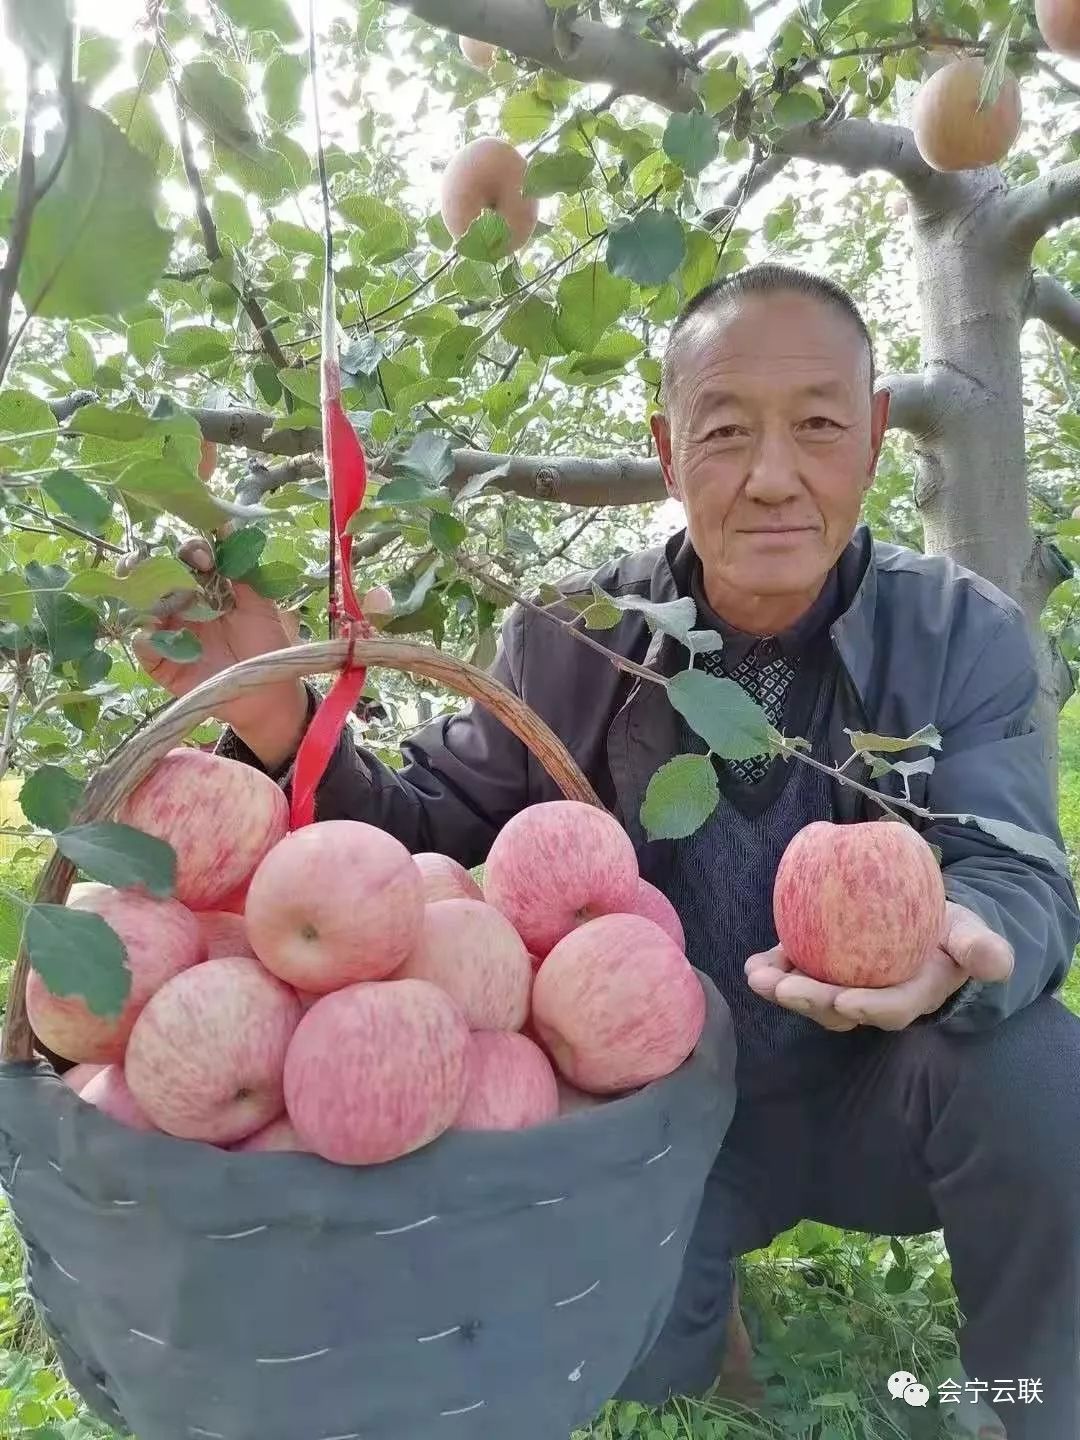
(325, 991)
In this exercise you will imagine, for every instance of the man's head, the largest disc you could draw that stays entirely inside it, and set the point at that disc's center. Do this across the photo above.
(770, 436)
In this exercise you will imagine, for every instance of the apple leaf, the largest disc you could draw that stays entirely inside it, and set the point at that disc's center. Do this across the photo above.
(49, 797)
(722, 713)
(647, 249)
(120, 855)
(680, 798)
(183, 647)
(691, 141)
(237, 554)
(1015, 837)
(862, 741)
(76, 953)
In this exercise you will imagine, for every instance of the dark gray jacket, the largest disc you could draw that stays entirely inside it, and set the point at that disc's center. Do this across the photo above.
(920, 641)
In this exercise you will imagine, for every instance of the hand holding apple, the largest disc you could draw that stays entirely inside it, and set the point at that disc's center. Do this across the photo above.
(967, 949)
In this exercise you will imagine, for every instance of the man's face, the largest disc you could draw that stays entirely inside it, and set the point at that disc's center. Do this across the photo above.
(770, 441)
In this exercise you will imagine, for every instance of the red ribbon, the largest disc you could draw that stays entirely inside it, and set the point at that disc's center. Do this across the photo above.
(346, 478)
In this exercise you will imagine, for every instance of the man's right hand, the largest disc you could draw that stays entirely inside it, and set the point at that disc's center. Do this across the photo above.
(270, 721)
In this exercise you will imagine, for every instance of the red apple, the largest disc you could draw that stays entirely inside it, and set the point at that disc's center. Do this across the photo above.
(221, 817)
(161, 939)
(509, 1085)
(278, 1135)
(109, 1092)
(859, 905)
(334, 904)
(236, 899)
(206, 1056)
(445, 879)
(225, 934)
(472, 952)
(557, 865)
(376, 1071)
(655, 906)
(617, 1004)
(79, 1076)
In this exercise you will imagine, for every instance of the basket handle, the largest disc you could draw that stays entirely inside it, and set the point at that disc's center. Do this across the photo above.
(138, 755)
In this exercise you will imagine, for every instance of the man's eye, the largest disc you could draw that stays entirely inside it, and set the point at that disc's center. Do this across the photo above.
(724, 432)
(822, 422)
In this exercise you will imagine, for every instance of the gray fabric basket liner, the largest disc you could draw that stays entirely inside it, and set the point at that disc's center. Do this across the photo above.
(490, 1287)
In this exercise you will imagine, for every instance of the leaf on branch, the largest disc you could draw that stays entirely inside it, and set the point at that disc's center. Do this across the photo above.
(183, 647)
(476, 483)
(1024, 842)
(28, 431)
(563, 173)
(49, 796)
(120, 855)
(77, 953)
(601, 614)
(590, 300)
(996, 63)
(84, 504)
(447, 533)
(673, 617)
(428, 459)
(691, 141)
(237, 554)
(70, 627)
(863, 741)
(905, 768)
(362, 356)
(722, 713)
(680, 798)
(272, 15)
(190, 347)
(487, 238)
(168, 487)
(705, 642)
(707, 15)
(647, 249)
(142, 588)
(39, 29)
(124, 425)
(219, 104)
(95, 247)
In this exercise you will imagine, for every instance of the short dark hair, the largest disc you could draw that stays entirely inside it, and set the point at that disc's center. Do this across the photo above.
(765, 279)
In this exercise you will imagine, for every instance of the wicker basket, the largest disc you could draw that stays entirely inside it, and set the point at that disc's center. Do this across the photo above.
(491, 1285)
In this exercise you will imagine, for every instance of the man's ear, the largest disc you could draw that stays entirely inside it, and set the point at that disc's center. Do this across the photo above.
(879, 423)
(661, 430)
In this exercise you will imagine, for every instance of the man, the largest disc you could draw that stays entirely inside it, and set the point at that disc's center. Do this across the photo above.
(951, 1101)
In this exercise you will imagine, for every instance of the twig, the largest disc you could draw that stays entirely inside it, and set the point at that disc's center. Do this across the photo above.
(71, 529)
(1062, 80)
(575, 534)
(7, 740)
(21, 222)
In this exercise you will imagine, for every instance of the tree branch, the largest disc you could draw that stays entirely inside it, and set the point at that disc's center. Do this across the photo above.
(19, 233)
(596, 53)
(1031, 210)
(1056, 305)
(569, 480)
(912, 405)
(860, 145)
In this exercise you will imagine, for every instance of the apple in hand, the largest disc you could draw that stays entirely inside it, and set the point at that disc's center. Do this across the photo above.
(558, 865)
(376, 1071)
(161, 938)
(206, 1056)
(333, 904)
(617, 1005)
(509, 1085)
(472, 952)
(858, 905)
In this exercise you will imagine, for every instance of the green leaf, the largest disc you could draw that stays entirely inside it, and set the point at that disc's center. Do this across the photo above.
(169, 487)
(798, 106)
(190, 347)
(363, 356)
(590, 299)
(219, 104)
(95, 246)
(283, 85)
(28, 431)
(602, 613)
(70, 628)
(296, 239)
(719, 87)
(723, 715)
(88, 507)
(899, 1280)
(527, 115)
(647, 249)
(1024, 842)
(996, 65)
(476, 483)
(275, 580)
(16, 598)
(38, 28)
(79, 361)
(141, 588)
(305, 384)
(691, 141)
(428, 459)
(674, 617)
(133, 110)
(563, 173)
(76, 953)
(455, 352)
(238, 554)
(231, 216)
(680, 798)
(120, 855)
(49, 796)
(272, 15)
(699, 268)
(706, 15)
(862, 740)
(487, 238)
(533, 325)
(447, 532)
(124, 425)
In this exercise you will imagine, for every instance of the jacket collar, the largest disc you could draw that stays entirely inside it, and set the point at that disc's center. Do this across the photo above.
(852, 632)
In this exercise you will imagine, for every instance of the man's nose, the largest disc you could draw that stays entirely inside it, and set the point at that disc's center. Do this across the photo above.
(774, 468)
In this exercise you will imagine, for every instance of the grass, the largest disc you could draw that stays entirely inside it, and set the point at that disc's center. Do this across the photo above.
(832, 1314)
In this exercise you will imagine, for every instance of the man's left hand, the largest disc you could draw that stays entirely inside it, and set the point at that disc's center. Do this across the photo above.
(967, 950)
